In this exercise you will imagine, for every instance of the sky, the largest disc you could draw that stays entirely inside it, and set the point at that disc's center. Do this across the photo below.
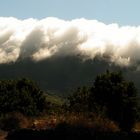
(123, 12)
(41, 29)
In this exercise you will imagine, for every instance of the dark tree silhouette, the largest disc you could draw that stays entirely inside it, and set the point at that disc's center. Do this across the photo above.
(118, 96)
(21, 95)
(78, 101)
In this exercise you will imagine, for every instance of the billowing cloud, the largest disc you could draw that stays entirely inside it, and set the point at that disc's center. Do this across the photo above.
(42, 39)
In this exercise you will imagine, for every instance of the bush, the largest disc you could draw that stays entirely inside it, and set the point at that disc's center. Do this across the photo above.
(21, 95)
(111, 96)
(117, 96)
(78, 101)
(15, 120)
(9, 122)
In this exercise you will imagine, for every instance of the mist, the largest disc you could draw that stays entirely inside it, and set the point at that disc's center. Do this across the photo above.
(49, 37)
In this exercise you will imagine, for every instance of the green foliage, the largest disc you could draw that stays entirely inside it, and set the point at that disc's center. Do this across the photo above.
(54, 104)
(110, 96)
(78, 101)
(55, 99)
(118, 96)
(21, 95)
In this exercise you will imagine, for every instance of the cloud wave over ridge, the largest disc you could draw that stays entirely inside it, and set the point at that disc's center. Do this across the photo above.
(42, 39)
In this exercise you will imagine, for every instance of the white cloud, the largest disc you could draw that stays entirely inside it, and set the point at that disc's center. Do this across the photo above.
(42, 39)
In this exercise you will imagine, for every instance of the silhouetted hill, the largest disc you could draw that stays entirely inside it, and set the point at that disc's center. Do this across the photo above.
(62, 74)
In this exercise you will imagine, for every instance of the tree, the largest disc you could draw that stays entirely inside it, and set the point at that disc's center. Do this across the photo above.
(78, 101)
(21, 95)
(118, 96)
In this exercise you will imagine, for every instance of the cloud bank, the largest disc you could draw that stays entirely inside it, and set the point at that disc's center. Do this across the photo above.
(42, 39)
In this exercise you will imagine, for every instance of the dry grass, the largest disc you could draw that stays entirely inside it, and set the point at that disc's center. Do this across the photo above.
(92, 121)
(137, 127)
(95, 122)
(3, 135)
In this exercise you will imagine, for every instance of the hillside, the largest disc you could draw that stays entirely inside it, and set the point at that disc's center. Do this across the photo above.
(61, 75)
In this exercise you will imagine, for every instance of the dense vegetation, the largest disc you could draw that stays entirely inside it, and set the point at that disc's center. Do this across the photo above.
(21, 95)
(111, 95)
(117, 96)
(109, 105)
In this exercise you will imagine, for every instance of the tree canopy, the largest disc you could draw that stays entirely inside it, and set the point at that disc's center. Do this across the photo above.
(112, 96)
(22, 95)
(118, 96)
(78, 101)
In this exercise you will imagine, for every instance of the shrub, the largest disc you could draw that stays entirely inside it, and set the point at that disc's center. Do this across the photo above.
(118, 96)
(21, 95)
(9, 122)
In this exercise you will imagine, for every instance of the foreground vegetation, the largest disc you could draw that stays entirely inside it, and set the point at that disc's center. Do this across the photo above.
(109, 108)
